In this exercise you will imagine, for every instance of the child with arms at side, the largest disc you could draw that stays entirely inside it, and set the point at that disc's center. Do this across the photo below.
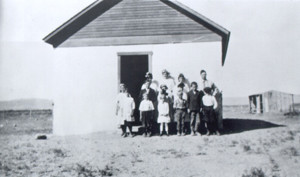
(128, 110)
(209, 104)
(180, 107)
(146, 112)
(194, 104)
(119, 108)
(163, 113)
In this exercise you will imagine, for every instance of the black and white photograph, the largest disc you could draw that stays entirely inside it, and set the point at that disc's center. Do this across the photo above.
(149, 88)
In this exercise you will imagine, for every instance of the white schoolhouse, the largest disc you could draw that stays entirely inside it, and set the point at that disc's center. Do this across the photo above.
(118, 41)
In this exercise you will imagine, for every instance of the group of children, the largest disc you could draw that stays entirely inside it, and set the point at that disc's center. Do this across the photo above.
(162, 109)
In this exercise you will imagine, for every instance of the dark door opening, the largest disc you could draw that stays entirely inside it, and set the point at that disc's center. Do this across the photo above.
(132, 74)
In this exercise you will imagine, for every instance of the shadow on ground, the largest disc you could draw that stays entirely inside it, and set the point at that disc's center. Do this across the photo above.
(235, 125)
(230, 126)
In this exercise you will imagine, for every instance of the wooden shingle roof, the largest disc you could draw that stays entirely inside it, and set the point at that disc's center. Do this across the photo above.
(134, 22)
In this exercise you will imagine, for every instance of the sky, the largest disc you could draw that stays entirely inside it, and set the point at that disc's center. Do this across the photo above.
(263, 51)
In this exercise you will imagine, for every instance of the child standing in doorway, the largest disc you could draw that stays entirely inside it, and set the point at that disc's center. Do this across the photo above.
(209, 104)
(163, 113)
(146, 112)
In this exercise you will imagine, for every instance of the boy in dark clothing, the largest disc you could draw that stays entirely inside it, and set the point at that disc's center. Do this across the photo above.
(194, 104)
(151, 94)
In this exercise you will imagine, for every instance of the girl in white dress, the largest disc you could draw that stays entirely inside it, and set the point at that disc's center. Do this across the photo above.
(124, 110)
(163, 113)
(127, 114)
(119, 109)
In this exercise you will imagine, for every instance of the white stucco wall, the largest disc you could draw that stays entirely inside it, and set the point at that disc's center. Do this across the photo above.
(86, 80)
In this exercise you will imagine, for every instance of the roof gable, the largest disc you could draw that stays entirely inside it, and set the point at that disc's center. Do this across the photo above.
(133, 22)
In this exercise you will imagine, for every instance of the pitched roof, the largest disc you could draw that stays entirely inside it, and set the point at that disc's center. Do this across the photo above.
(133, 22)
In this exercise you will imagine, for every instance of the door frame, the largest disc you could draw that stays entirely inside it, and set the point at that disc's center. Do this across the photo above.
(120, 54)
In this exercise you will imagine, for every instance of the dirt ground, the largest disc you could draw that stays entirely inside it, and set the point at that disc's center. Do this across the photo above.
(251, 145)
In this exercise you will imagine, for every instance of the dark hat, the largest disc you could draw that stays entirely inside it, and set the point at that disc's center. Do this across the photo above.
(148, 75)
(181, 75)
(165, 71)
(202, 71)
(163, 85)
(194, 83)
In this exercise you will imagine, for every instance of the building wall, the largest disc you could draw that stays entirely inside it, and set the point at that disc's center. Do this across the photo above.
(278, 101)
(86, 80)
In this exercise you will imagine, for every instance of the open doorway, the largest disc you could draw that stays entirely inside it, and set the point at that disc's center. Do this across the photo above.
(132, 69)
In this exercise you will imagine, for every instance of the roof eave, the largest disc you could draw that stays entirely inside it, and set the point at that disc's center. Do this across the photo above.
(224, 33)
(63, 32)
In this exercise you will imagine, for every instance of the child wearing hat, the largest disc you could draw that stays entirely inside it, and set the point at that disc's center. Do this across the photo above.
(146, 112)
(164, 89)
(163, 113)
(209, 104)
(180, 107)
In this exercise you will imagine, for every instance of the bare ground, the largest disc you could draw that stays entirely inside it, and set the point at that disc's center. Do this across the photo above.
(253, 145)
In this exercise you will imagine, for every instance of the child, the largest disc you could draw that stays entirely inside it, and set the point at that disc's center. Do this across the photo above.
(194, 103)
(209, 104)
(180, 106)
(164, 89)
(163, 113)
(119, 107)
(146, 112)
(128, 110)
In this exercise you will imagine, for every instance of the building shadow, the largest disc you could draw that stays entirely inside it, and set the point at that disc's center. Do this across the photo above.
(235, 125)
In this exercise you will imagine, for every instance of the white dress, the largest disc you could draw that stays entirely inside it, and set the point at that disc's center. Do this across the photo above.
(119, 108)
(163, 109)
(128, 106)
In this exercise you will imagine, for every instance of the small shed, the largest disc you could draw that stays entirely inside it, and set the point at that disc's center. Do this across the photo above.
(271, 101)
(137, 36)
